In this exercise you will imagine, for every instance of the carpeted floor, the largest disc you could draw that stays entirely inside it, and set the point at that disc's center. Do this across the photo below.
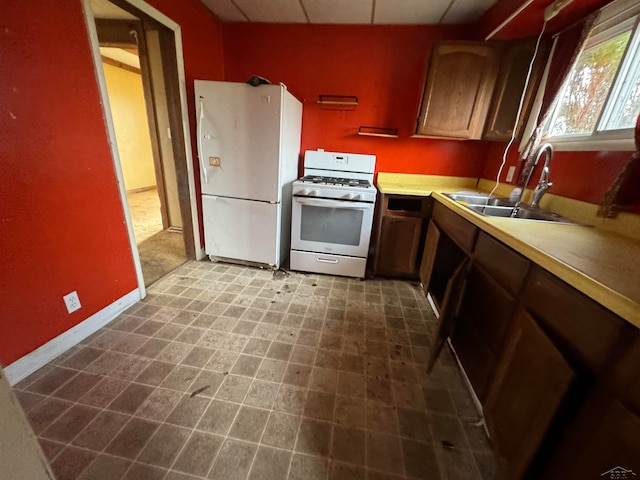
(145, 213)
(160, 254)
(161, 251)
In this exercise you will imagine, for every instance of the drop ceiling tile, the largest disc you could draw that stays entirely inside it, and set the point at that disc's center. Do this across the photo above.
(339, 11)
(273, 11)
(225, 10)
(466, 11)
(409, 11)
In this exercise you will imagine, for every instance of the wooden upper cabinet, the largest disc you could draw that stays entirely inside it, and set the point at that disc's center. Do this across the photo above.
(458, 90)
(510, 86)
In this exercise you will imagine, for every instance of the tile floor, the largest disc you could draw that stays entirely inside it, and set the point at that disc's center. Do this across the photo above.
(225, 372)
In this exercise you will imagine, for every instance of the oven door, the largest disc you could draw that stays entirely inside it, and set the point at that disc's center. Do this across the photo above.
(340, 227)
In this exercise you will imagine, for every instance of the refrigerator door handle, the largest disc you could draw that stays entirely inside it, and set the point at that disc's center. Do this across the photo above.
(203, 167)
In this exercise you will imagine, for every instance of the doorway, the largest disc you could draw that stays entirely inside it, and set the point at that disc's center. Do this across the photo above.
(141, 75)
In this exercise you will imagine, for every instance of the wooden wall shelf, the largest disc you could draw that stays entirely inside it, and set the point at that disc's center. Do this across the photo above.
(338, 102)
(384, 132)
(343, 100)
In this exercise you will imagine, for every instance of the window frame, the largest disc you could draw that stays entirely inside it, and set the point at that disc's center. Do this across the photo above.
(610, 23)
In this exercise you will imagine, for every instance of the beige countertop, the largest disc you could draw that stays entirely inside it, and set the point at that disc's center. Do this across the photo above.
(603, 265)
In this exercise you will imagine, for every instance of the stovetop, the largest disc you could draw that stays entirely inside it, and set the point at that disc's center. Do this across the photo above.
(321, 180)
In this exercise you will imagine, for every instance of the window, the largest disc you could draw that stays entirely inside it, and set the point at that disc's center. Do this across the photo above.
(600, 101)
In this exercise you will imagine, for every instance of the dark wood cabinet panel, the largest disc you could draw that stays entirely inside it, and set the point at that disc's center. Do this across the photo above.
(487, 308)
(446, 256)
(484, 318)
(624, 376)
(477, 358)
(399, 244)
(583, 328)
(510, 86)
(449, 311)
(603, 442)
(531, 380)
(429, 256)
(458, 89)
(401, 231)
(533, 347)
(505, 265)
(460, 230)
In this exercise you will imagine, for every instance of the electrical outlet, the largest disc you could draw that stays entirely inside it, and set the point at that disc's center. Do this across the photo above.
(510, 173)
(72, 301)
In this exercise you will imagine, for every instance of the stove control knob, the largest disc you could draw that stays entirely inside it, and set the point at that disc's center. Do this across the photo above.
(354, 196)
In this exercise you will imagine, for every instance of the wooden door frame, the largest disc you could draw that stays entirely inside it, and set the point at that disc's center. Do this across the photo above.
(178, 113)
(119, 34)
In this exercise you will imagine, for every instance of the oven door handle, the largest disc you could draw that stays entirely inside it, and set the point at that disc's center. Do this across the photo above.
(320, 202)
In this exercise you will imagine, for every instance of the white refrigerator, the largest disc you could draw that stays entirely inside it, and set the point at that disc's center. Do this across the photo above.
(248, 147)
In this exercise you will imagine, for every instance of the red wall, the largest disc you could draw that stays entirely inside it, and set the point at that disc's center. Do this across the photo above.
(583, 176)
(61, 224)
(384, 66)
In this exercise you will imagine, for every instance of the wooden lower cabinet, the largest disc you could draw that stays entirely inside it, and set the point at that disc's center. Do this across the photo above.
(603, 441)
(401, 234)
(484, 317)
(529, 385)
(399, 245)
(533, 347)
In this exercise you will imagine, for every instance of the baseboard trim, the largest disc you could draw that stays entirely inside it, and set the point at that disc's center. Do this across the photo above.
(25, 366)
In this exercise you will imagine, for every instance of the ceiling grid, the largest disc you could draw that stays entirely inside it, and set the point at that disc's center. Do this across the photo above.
(350, 12)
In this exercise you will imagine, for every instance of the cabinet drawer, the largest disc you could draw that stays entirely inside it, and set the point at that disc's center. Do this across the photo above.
(460, 231)
(505, 265)
(585, 328)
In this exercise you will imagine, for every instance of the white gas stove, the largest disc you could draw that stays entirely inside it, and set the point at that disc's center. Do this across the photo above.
(333, 206)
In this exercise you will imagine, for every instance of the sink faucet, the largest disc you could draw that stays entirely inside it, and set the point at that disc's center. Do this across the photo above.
(543, 183)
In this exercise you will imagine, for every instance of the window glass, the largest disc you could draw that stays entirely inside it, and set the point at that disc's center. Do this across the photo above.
(588, 86)
(600, 101)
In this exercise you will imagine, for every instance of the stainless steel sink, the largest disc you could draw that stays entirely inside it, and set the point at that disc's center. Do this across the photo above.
(490, 206)
(480, 199)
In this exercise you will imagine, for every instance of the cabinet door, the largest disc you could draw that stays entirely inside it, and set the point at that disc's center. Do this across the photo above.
(584, 328)
(399, 245)
(458, 90)
(603, 441)
(510, 87)
(448, 312)
(530, 383)
(429, 255)
(485, 315)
